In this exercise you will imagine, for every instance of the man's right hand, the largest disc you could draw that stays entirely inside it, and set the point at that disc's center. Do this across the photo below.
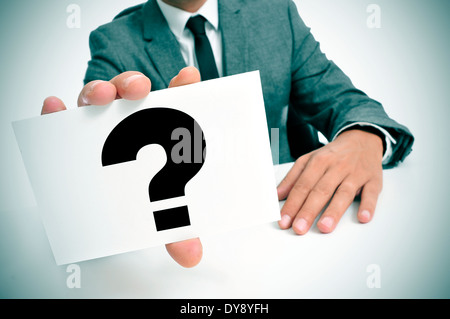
(134, 86)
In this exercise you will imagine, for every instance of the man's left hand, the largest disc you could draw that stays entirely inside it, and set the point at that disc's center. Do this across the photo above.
(335, 174)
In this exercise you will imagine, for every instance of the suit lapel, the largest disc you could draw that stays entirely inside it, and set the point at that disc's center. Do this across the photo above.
(234, 37)
(164, 51)
(162, 47)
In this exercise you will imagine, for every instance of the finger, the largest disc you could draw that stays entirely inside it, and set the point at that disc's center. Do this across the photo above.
(342, 199)
(52, 104)
(187, 75)
(131, 85)
(317, 200)
(187, 253)
(97, 93)
(311, 174)
(369, 198)
(291, 177)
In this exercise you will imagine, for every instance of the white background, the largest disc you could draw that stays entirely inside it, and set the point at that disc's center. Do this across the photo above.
(404, 64)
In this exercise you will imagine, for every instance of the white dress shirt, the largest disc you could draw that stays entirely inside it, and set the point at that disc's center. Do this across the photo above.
(177, 19)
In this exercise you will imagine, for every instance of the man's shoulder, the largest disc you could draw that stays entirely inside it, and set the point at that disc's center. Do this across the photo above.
(129, 11)
(265, 13)
(265, 3)
(128, 20)
(274, 8)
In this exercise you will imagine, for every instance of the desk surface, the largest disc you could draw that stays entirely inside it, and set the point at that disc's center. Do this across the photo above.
(408, 252)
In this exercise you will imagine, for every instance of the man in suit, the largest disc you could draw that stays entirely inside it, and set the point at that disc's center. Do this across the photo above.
(145, 47)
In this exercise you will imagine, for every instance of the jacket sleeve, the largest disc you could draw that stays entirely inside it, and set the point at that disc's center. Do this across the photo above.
(104, 63)
(326, 98)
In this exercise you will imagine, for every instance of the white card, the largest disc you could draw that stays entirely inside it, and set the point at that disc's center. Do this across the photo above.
(95, 196)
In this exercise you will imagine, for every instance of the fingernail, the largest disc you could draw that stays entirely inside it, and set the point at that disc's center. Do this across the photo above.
(364, 216)
(84, 98)
(285, 221)
(131, 79)
(301, 225)
(281, 193)
(327, 222)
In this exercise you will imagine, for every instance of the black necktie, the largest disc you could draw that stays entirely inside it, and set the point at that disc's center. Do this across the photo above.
(203, 51)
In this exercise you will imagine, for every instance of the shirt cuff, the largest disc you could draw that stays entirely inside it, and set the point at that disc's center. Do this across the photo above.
(389, 139)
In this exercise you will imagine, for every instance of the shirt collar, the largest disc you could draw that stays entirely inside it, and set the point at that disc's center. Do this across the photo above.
(177, 18)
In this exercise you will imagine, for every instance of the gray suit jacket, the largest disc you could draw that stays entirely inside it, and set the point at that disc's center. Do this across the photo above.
(299, 82)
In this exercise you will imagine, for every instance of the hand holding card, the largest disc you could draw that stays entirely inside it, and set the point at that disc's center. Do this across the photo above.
(90, 210)
(133, 86)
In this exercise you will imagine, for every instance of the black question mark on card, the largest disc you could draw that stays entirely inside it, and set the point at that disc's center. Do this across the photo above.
(185, 158)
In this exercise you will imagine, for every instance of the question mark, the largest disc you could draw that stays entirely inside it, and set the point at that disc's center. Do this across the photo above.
(159, 126)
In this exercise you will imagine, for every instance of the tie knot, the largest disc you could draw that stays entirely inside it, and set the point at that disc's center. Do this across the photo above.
(196, 25)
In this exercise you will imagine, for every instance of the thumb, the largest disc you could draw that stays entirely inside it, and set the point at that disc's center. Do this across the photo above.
(187, 253)
(52, 104)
